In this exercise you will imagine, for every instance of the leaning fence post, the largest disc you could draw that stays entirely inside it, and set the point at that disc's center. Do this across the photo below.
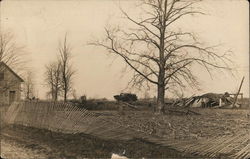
(235, 99)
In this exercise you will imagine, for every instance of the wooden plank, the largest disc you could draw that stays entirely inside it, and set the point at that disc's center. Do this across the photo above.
(236, 96)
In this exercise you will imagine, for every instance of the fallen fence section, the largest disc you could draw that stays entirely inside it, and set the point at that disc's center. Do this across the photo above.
(66, 118)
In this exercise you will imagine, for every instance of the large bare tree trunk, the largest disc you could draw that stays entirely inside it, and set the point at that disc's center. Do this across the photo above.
(160, 99)
(160, 93)
(161, 77)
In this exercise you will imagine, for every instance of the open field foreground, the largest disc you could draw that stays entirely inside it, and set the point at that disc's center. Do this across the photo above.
(26, 142)
(71, 132)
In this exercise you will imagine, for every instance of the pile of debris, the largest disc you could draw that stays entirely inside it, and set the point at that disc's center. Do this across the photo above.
(209, 100)
(212, 100)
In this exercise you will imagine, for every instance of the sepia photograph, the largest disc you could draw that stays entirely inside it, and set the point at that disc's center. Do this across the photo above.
(120, 79)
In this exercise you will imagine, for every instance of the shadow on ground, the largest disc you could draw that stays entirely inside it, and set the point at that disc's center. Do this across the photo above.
(75, 146)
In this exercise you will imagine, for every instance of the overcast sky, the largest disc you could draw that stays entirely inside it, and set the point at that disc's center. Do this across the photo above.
(39, 25)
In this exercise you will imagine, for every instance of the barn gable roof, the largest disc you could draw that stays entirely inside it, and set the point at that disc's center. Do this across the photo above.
(8, 68)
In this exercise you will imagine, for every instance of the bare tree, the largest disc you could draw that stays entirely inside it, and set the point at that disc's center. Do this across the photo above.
(53, 79)
(157, 52)
(12, 55)
(59, 74)
(29, 85)
(67, 70)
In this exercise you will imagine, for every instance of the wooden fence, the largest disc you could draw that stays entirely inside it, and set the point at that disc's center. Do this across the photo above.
(66, 118)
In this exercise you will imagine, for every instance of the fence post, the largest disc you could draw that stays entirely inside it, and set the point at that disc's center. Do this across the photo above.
(238, 92)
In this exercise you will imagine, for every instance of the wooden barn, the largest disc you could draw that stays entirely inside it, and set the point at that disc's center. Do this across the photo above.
(10, 85)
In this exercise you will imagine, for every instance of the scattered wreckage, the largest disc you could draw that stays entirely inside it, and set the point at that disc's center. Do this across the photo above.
(209, 100)
(213, 100)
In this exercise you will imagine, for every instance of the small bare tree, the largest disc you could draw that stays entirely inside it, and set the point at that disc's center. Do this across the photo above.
(67, 71)
(53, 79)
(29, 85)
(158, 52)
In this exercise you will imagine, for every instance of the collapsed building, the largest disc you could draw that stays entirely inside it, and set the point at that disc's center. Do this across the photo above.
(209, 100)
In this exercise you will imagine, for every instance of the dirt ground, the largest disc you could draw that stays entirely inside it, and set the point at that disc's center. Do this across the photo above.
(210, 123)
